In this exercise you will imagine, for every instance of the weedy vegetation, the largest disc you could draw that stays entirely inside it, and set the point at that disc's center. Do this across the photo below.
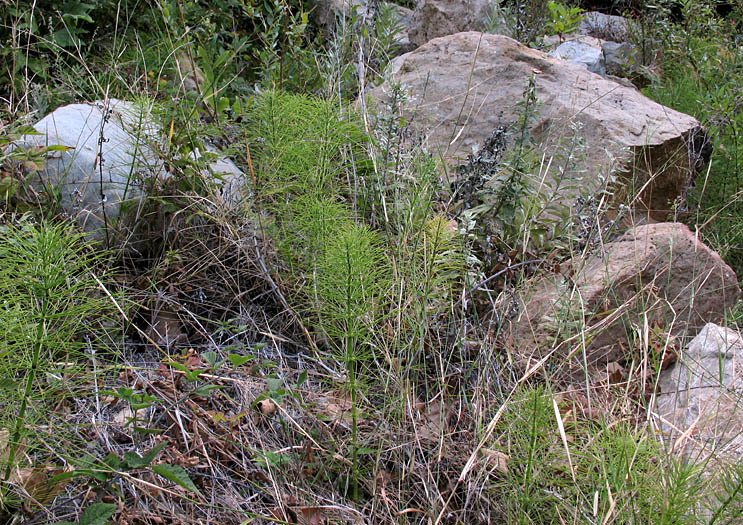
(331, 348)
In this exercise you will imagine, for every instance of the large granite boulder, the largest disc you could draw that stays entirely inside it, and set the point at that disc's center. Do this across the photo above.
(112, 155)
(659, 274)
(435, 18)
(699, 408)
(464, 86)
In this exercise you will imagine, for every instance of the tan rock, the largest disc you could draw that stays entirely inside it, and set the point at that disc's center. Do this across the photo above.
(435, 18)
(699, 408)
(658, 272)
(463, 86)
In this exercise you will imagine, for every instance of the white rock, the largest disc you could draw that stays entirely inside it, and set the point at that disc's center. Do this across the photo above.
(92, 181)
(125, 137)
(700, 405)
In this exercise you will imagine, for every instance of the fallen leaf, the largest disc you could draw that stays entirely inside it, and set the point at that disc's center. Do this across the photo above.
(310, 516)
(336, 408)
(266, 407)
(5, 448)
(616, 373)
(37, 481)
(165, 326)
(496, 459)
(124, 416)
(435, 417)
(670, 356)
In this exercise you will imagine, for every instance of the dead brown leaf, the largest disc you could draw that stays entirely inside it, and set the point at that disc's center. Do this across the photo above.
(616, 373)
(165, 326)
(124, 416)
(435, 418)
(266, 406)
(336, 408)
(38, 482)
(496, 459)
(311, 516)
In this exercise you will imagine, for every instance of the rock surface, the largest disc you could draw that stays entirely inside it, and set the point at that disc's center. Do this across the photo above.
(94, 193)
(605, 27)
(403, 42)
(436, 18)
(324, 13)
(582, 54)
(661, 271)
(89, 191)
(464, 86)
(621, 60)
(699, 408)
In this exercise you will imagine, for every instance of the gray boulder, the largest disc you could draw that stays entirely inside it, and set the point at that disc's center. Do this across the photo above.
(620, 59)
(699, 408)
(435, 18)
(605, 27)
(464, 86)
(112, 155)
(581, 53)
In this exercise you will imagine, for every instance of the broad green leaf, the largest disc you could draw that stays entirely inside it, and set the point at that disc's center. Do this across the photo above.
(204, 390)
(97, 514)
(222, 104)
(134, 460)
(113, 461)
(238, 360)
(274, 383)
(177, 475)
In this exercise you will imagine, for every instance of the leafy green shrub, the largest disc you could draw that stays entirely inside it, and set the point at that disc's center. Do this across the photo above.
(269, 42)
(523, 20)
(515, 200)
(563, 19)
(703, 69)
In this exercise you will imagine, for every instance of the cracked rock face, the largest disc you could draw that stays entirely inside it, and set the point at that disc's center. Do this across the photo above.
(463, 86)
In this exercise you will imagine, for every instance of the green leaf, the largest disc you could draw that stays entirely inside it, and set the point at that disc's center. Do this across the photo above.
(222, 104)
(191, 375)
(134, 460)
(56, 147)
(204, 390)
(113, 461)
(177, 475)
(302, 378)
(274, 384)
(97, 514)
(210, 357)
(238, 360)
